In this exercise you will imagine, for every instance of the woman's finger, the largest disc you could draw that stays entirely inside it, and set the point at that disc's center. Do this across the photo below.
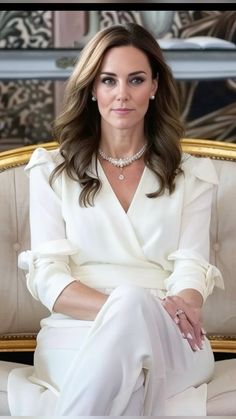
(187, 319)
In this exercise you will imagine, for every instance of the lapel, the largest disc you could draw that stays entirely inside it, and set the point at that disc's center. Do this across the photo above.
(121, 221)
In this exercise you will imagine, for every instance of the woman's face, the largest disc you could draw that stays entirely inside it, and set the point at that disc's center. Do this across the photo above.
(123, 87)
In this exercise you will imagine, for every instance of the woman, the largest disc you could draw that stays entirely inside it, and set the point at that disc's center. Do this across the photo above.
(120, 240)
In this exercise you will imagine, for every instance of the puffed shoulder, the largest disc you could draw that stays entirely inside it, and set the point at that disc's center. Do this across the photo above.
(201, 168)
(43, 156)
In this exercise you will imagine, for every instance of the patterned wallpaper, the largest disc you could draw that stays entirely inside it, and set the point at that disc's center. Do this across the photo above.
(26, 29)
(28, 107)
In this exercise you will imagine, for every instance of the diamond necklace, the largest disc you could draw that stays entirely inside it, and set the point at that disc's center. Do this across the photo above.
(122, 162)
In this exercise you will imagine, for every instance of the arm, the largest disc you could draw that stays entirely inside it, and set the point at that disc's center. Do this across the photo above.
(80, 301)
(191, 282)
(49, 278)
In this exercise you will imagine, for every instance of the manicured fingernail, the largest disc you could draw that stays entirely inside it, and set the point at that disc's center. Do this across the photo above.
(203, 331)
(196, 348)
(183, 335)
(189, 336)
(176, 320)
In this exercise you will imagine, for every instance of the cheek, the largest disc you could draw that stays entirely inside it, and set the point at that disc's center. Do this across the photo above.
(143, 100)
(102, 100)
(144, 95)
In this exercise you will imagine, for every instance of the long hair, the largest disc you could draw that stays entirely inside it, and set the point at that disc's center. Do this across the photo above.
(78, 127)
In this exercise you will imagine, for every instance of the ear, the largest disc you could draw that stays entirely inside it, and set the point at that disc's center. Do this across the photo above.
(154, 86)
(94, 90)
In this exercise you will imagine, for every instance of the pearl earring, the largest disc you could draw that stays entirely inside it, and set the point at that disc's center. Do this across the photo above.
(94, 98)
(152, 97)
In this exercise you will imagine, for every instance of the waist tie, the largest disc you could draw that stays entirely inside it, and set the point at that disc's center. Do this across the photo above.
(111, 276)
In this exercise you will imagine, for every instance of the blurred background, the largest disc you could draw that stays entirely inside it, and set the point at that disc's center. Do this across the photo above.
(38, 50)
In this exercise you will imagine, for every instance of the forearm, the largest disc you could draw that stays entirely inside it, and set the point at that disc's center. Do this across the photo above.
(80, 301)
(192, 297)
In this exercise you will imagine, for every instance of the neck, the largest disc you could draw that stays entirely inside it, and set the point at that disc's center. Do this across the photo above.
(121, 143)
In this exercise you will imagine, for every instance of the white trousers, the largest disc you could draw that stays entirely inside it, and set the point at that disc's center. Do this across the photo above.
(132, 360)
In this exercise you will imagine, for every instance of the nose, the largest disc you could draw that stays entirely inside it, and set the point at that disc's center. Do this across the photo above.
(123, 92)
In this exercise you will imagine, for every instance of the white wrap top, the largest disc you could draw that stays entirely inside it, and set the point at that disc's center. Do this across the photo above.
(160, 243)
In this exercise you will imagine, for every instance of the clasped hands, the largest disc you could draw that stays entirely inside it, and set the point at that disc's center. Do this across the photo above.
(187, 318)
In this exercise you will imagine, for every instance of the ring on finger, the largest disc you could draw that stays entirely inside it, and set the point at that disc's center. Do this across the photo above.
(178, 315)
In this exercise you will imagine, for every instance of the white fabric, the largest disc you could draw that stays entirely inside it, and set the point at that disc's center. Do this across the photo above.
(5, 369)
(74, 238)
(153, 245)
(222, 389)
(101, 369)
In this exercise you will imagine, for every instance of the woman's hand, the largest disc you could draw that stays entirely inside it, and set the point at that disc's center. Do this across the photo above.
(188, 318)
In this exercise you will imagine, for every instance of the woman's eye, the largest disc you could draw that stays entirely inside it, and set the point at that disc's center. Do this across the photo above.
(137, 80)
(108, 81)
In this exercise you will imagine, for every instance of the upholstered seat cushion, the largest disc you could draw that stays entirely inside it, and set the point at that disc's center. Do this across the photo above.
(221, 390)
(5, 368)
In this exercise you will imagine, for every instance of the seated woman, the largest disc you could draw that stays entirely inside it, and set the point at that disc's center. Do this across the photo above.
(120, 244)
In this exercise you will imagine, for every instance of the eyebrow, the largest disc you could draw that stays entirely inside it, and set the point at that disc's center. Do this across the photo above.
(130, 74)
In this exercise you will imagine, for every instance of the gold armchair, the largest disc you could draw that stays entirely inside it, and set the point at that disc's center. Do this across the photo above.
(11, 166)
(20, 314)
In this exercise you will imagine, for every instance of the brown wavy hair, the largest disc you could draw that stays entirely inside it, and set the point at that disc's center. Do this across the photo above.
(78, 127)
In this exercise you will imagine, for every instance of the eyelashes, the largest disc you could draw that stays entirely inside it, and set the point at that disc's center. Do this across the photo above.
(137, 80)
(108, 81)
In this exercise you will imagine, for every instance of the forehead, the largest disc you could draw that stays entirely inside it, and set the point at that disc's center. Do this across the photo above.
(125, 58)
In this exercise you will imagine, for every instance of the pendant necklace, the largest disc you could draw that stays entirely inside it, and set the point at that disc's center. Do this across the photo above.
(123, 162)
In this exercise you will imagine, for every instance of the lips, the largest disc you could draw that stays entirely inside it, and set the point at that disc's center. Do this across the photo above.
(122, 111)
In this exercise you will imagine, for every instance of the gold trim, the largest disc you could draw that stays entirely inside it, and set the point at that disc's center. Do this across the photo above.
(209, 148)
(21, 155)
(226, 344)
(17, 343)
(27, 343)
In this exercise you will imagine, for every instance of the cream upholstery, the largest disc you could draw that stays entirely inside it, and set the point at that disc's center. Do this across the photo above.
(20, 314)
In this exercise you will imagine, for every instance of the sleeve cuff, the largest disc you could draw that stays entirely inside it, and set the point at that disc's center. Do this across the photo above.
(193, 271)
(48, 270)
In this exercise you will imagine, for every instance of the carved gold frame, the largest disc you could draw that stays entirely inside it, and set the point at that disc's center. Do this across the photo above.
(198, 147)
